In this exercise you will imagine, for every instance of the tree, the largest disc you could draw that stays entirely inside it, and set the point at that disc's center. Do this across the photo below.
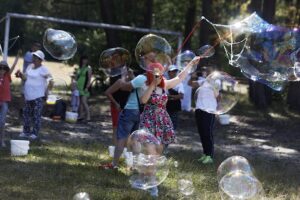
(255, 6)
(112, 37)
(189, 22)
(148, 14)
(204, 29)
(293, 95)
(260, 94)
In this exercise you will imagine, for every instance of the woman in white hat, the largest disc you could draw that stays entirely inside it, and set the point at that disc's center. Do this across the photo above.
(35, 89)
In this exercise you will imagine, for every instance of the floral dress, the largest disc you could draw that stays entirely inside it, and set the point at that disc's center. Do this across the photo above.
(156, 119)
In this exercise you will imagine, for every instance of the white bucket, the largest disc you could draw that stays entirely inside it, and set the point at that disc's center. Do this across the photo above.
(71, 117)
(19, 147)
(224, 119)
(51, 99)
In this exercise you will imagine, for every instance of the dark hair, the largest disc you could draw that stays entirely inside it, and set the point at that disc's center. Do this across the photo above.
(37, 44)
(84, 57)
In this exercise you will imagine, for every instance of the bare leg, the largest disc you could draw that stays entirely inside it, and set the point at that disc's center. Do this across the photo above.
(81, 109)
(114, 136)
(2, 144)
(86, 107)
(3, 112)
(119, 150)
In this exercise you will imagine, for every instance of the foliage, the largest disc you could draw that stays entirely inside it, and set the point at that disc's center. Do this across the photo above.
(169, 15)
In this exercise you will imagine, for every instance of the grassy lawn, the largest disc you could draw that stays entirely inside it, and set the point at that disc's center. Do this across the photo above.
(60, 166)
(59, 170)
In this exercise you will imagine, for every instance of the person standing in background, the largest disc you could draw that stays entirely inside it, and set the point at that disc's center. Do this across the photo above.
(75, 97)
(118, 100)
(27, 61)
(186, 101)
(5, 94)
(84, 75)
(174, 96)
(28, 55)
(206, 105)
(35, 90)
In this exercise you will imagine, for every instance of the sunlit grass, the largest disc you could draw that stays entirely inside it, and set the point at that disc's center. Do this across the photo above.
(59, 170)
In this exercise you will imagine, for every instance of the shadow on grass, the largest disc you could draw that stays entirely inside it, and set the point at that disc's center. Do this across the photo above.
(46, 174)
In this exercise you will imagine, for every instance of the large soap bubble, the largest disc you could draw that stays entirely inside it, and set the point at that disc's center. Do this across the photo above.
(234, 163)
(218, 93)
(264, 52)
(238, 185)
(237, 181)
(205, 51)
(184, 58)
(151, 169)
(143, 142)
(185, 186)
(115, 61)
(151, 49)
(59, 44)
(81, 196)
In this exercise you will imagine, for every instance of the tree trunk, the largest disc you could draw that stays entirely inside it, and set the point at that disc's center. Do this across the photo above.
(255, 6)
(112, 37)
(189, 22)
(204, 29)
(293, 96)
(260, 94)
(298, 12)
(148, 14)
(269, 7)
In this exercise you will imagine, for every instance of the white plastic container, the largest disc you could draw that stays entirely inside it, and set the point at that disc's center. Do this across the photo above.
(71, 117)
(224, 119)
(111, 151)
(19, 147)
(51, 99)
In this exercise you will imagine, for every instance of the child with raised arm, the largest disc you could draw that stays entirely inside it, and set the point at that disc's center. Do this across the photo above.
(5, 94)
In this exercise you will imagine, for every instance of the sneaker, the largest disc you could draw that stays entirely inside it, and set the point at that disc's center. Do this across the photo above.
(153, 191)
(208, 160)
(202, 158)
(24, 135)
(33, 137)
(107, 166)
(137, 185)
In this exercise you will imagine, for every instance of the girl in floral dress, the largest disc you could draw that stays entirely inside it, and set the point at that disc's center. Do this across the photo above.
(155, 117)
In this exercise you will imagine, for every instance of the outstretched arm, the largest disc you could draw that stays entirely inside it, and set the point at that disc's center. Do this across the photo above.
(15, 62)
(182, 75)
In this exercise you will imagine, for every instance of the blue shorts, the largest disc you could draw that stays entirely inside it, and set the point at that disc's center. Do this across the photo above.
(129, 121)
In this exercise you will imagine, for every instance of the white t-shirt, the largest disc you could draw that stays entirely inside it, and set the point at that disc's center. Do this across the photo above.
(36, 82)
(178, 88)
(206, 97)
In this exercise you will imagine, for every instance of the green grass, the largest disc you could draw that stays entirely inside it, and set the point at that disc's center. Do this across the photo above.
(60, 170)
